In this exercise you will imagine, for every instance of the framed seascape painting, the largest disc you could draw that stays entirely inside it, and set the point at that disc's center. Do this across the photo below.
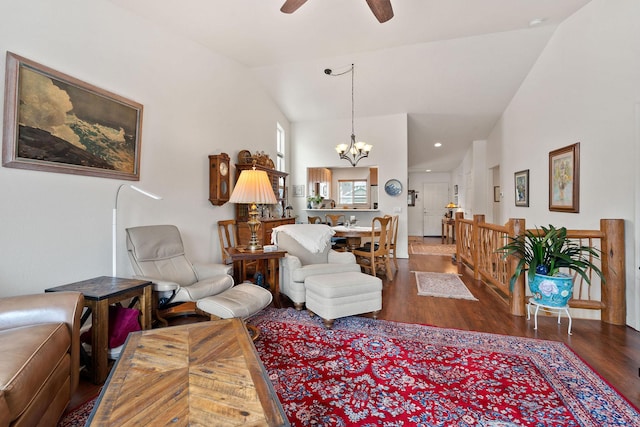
(564, 179)
(522, 188)
(56, 123)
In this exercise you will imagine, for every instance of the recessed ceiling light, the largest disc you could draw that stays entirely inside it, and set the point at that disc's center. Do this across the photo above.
(536, 21)
(428, 170)
(438, 144)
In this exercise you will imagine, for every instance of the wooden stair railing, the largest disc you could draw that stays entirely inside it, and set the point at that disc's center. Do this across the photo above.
(477, 242)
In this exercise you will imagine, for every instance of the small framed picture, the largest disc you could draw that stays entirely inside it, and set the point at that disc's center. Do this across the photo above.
(496, 193)
(522, 188)
(298, 190)
(564, 179)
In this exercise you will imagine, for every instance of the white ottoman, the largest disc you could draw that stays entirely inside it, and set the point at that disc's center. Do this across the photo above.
(331, 296)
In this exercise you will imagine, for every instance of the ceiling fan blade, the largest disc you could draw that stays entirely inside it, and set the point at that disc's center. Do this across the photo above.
(291, 6)
(381, 9)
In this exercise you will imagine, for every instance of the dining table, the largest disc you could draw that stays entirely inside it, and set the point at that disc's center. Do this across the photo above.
(354, 234)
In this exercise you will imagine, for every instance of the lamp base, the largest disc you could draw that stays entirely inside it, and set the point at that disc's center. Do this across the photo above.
(254, 225)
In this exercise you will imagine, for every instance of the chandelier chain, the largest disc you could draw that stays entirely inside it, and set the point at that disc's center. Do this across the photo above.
(354, 151)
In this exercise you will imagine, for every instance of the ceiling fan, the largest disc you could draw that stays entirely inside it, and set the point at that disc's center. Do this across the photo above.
(381, 8)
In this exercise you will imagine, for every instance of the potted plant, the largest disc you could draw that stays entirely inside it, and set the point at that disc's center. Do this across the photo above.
(315, 201)
(544, 252)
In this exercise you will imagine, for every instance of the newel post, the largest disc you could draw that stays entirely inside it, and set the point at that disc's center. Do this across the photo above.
(475, 245)
(613, 263)
(517, 295)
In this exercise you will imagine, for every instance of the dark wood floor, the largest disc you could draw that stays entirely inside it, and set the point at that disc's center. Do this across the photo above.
(613, 351)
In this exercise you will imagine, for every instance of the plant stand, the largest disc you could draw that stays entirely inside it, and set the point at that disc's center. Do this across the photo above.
(538, 305)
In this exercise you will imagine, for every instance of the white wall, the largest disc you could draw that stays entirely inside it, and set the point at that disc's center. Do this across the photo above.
(313, 146)
(582, 89)
(56, 228)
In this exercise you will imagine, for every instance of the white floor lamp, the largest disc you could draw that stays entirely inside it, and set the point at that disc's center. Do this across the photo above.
(114, 221)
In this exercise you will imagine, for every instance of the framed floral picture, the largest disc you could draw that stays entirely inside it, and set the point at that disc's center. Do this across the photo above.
(522, 188)
(56, 123)
(564, 179)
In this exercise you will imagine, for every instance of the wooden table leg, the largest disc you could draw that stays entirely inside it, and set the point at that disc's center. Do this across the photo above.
(99, 340)
(145, 308)
(237, 271)
(274, 280)
(353, 243)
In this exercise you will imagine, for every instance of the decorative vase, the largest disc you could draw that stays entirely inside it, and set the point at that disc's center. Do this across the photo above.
(552, 291)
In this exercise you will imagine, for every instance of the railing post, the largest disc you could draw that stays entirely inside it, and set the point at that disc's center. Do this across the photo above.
(475, 245)
(517, 294)
(613, 296)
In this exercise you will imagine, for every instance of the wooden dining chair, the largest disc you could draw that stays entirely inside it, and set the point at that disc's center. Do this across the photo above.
(334, 219)
(314, 220)
(337, 243)
(376, 256)
(393, 239)
(230, 238)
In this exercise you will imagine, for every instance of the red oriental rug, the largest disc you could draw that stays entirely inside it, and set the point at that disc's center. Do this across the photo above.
(369, 372)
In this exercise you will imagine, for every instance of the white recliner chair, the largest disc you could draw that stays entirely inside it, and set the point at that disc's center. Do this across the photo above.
(157, 254)
(309, 253)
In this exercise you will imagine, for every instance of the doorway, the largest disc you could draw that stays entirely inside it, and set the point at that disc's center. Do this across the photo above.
(436, 197)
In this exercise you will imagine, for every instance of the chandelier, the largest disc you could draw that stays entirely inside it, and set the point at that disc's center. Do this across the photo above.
(354, 151)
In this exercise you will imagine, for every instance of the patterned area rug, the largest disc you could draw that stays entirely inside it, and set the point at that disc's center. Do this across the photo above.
(369, 372)
(424, 249)
(78, 417)
(444, 285)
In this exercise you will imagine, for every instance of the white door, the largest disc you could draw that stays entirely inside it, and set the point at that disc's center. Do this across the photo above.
(436, 197)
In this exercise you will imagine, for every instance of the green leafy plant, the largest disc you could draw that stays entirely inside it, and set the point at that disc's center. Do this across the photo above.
(315, 199)
(547, 250)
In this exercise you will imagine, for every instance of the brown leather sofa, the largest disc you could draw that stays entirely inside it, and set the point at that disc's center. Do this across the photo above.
(39, 357)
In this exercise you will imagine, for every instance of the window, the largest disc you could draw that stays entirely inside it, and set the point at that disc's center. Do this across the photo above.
(352, 192)
(280, 148)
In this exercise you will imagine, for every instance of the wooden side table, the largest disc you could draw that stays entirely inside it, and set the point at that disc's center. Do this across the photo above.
(239, 256)
(448, 230)
(99, 293)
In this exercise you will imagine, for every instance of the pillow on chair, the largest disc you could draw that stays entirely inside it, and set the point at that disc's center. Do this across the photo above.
(122, 321)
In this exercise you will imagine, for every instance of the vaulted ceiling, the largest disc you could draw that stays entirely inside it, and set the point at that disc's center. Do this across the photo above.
(451, 65)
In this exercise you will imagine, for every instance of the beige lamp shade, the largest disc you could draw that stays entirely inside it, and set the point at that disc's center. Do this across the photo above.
(253, 186)
(451, 206)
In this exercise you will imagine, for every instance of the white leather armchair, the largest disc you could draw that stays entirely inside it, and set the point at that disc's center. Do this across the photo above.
(300, 262)
(157, 254)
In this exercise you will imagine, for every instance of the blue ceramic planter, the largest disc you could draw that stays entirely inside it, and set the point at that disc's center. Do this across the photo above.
(553, 291)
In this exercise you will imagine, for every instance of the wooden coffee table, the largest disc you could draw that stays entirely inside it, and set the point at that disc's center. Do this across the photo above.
(205, 373)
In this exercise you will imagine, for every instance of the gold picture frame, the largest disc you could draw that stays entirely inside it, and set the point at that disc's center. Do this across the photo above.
(521, 187)
(56, 123)
(564, 179)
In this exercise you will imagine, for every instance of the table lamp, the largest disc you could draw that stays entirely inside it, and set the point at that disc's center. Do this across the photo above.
(451, 206)
(253, 187)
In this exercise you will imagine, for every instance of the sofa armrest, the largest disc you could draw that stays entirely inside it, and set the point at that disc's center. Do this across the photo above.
(205, 271)
(336, 257)
(49, 307)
